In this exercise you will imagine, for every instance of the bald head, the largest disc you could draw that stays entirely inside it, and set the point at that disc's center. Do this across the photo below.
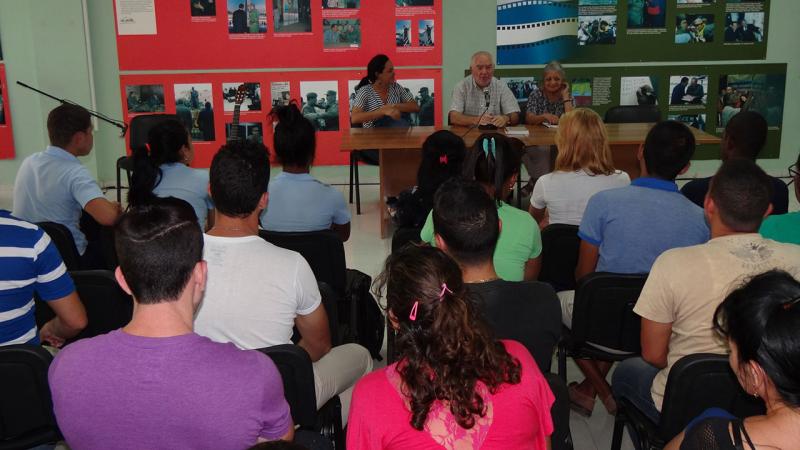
(482, 67)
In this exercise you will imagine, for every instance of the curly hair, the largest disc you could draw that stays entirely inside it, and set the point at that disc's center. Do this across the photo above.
(446, 349)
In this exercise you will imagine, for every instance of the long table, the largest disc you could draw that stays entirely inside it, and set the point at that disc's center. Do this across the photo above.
(399, 150)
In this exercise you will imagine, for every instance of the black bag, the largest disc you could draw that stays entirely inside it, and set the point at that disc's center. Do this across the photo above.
(366, 322)
(408, 208)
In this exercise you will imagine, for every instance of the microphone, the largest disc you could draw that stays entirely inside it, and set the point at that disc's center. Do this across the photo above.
(486, 96)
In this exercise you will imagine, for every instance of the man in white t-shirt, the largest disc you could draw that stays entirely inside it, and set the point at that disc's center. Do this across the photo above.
(257, 292)
(687, 284)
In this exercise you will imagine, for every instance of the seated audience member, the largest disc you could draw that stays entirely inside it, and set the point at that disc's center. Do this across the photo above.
(686, 284)
(162, 170)
(53, 185)
(443, 154)
(624, 230)
(759, 321)
(258, 292)
(744, 137)
(155, 383)
(494, 163)
(467, 227)
(482, 99)
(785, 227)
(31, 264)
(297, 200)
(583, 167)
(454, 386)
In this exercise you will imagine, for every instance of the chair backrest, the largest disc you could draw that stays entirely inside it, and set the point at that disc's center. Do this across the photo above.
(108, 307)
(64, 242)
(603, 311)
(297, 373)
(560, 245)
(698, 382)
(26, 409)
(140, 126)
(323, 250)
(633, 114)
(330, 300)
(404, 236)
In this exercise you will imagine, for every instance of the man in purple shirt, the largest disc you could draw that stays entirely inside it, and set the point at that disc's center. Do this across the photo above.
(155, 383)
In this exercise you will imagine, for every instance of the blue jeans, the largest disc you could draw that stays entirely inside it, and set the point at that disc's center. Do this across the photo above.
(632, 379)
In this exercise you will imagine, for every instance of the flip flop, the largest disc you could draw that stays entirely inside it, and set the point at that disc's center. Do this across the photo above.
(579, 401)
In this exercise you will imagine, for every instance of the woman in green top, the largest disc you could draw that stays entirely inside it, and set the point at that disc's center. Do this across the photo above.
(785, 227)
(494, 162)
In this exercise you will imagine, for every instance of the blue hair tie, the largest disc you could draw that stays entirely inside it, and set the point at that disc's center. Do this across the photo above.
(489, 147)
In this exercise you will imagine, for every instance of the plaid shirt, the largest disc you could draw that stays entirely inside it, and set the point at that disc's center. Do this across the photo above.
(468, 98)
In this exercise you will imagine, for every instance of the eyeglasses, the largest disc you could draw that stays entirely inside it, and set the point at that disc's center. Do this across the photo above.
(793, 173)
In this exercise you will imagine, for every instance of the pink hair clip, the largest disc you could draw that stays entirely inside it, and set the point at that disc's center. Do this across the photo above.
(413, 314)
(444, 289)
(147, 146)
(443, 159)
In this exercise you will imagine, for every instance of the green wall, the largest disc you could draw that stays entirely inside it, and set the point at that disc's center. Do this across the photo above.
(44, 45)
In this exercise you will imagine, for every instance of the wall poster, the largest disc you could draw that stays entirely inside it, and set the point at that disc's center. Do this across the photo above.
(6, 133)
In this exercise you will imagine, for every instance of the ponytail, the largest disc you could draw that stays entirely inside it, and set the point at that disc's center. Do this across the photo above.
(294, 137)
(374, 67)
(164, 143)
(493, 160)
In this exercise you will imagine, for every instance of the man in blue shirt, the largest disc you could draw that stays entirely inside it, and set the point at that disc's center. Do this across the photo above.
(53, 185)
(624, 230)
(29, 262)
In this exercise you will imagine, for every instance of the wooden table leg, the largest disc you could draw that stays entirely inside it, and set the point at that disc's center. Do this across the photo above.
(398, 171)
(626, 159)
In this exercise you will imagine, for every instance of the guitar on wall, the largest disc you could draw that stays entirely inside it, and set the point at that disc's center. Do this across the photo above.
(241, 91)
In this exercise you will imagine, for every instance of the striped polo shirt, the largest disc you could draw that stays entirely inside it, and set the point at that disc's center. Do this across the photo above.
(29, 262)
(369, 100)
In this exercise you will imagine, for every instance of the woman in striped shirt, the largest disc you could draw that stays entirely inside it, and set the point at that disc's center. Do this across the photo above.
(380, 101)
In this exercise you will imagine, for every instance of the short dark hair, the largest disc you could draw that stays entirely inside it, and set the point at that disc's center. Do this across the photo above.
(742, 192)
(466, 218)
(668, 148)
(158, 245)
(239, 175)
(746, 133)
(64, 121)
(294, 138)
(762, 318)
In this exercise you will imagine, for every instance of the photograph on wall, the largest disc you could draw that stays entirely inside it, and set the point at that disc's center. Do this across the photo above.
(404, 3)
(145, 98)
(696, 2)
(2, 107)
(402, 33)
(638, 91)
(252, 96)
(744, 27)
(341, 4)
(646, 14)
(280, 93)
(426, 33)
(582, 91)
(597, 2)
(693, 120)
(745, 1)
(597, 30)
(292, 16)
(341, 33)
(194, 106)
(688, 89)
(247, 16)
(423, 93)
(521, 87)
(203, 8)
(762, 93)
(319, 104)
(691, 28)
(251, 131)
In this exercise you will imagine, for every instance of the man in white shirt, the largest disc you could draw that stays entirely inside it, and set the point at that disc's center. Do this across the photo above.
(687, 284)
(257, 292)
(482, 99)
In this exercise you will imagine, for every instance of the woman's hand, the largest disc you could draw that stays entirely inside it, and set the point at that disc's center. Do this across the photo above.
(390, 111)
(565, 92)
(552, 119)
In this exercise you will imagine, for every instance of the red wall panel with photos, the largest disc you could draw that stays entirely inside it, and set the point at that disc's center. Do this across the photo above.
(6, 133)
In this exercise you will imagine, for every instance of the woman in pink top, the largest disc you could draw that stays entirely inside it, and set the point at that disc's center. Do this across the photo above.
(454, 386)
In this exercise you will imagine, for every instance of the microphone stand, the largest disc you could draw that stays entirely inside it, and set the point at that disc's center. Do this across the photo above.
(117, 123)
(472, 127)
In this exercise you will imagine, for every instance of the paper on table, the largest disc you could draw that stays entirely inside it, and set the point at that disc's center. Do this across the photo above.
(549, 125)
(517, 131)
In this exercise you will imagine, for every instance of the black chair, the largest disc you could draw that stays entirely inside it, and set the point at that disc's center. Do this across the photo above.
(633, 114)
(323, 250)
(561, 439)
(137, 131)
(404, 236)
(603, 316)
(64, 242)
(560, 245)
(297, 373)
(695, 383)
(330, 300)
(26, 408)
(108, 307)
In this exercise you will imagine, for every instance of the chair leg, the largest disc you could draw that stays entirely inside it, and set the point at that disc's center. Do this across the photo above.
(352, 165)
(119, 188)
(562, 361)
(358, 189)
(619, 428)
(519, 192)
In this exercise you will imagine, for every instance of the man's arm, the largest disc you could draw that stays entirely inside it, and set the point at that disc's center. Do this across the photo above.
(588, 254)
(315, 334)
(69, 321)
(532, 268)
(343, 230)
(655, 342)
(103, 211)
(407, 107)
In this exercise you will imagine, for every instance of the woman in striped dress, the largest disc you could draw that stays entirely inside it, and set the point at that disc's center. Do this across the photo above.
(380, 101)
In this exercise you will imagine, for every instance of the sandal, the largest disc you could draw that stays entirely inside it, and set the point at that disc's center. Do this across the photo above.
(580, 402)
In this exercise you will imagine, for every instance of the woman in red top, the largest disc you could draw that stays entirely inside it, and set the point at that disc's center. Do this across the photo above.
(454, 386)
